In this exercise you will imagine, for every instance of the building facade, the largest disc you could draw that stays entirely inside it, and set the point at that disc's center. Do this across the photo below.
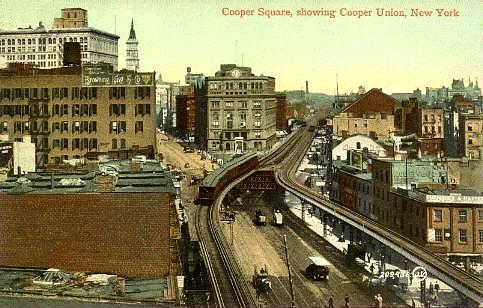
(358, 142)
(67, 119)
(132, 56)
(241, 110)
(447, 222)
(471, 136)
(282, 106)
(431, 122)
(125, 224)
(44, 47)
(371, 115)
(16, 157)
(185, 111)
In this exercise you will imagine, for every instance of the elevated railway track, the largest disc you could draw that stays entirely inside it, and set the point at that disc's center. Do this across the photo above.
(230, 289)
(466, 283)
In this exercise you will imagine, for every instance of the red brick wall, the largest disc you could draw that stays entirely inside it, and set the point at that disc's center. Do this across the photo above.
(374, 101)
(281, 112)
(121, 233)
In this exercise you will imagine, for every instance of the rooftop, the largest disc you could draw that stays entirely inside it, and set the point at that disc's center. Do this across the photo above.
(126, 176)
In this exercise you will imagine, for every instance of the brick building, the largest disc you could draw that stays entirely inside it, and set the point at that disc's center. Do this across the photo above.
(448, 222)
(186, 111)
(372, 115)
(68, 119)
(282, 111)
(124, 223)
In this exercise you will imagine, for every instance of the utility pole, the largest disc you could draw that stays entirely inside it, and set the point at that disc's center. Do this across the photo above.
(289, 273)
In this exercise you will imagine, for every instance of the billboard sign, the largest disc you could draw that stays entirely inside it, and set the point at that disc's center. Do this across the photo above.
(103, 76)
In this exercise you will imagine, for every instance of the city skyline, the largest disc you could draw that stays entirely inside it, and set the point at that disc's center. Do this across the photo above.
(397, 54)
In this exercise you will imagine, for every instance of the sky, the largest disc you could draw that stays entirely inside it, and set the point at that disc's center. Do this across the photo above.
(395, 53)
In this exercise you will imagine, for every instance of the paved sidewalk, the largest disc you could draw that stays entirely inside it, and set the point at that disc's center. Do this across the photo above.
(445, 297)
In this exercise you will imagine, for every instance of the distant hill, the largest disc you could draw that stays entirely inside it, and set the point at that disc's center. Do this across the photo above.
(294, 96)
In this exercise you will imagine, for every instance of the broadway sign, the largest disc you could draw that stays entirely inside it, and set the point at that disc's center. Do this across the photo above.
(102, 76)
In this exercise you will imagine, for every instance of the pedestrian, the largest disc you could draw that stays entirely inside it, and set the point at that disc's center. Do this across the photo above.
(375, 302)
(436, 287)
(346, 300)
(413, 304)
(379, 300)
(330, 302)
(371, 268)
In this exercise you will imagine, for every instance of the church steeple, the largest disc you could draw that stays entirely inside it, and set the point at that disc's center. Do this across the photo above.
(132, 34)
(132, 58)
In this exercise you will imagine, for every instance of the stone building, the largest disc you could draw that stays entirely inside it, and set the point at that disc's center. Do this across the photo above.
(44, 47)
(68, 118)
(471, 135)
(371, 115)
(240, 110)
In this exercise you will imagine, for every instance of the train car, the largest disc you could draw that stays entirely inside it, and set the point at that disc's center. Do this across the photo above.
(214, 183)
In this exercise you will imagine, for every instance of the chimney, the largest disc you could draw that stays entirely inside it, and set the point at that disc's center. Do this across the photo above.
(105, 183)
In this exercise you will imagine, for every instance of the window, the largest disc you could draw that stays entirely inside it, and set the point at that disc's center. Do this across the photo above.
(215, 105)
(257, 104)
(462, 215)
(358, 145)
(114, 144)
(480, 215)
(481, 236)
(139, 126)
(470, 141)
(438, 235)
(123, 143)
(438, 215)
(470, 128)
(463, 236)
(228, 104)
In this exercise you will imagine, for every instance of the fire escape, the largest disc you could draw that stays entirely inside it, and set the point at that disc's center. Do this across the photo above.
(39, 128)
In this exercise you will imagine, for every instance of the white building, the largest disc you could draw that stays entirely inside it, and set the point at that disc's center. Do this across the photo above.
(16, 157)
(132, 56)
(357, 142)
(44, 47)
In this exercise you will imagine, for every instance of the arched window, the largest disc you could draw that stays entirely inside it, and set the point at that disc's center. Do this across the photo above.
(358, 145)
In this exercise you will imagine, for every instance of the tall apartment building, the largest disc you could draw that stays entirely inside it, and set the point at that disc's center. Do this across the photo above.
(282, 104)
(241, 110)
(66, 118)
(44, 47)
(186, 111)
(430, 122)
(471, 135)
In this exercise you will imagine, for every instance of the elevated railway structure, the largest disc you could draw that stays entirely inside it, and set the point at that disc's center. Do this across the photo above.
(466, 283)
(283, 162)
(229, 287)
